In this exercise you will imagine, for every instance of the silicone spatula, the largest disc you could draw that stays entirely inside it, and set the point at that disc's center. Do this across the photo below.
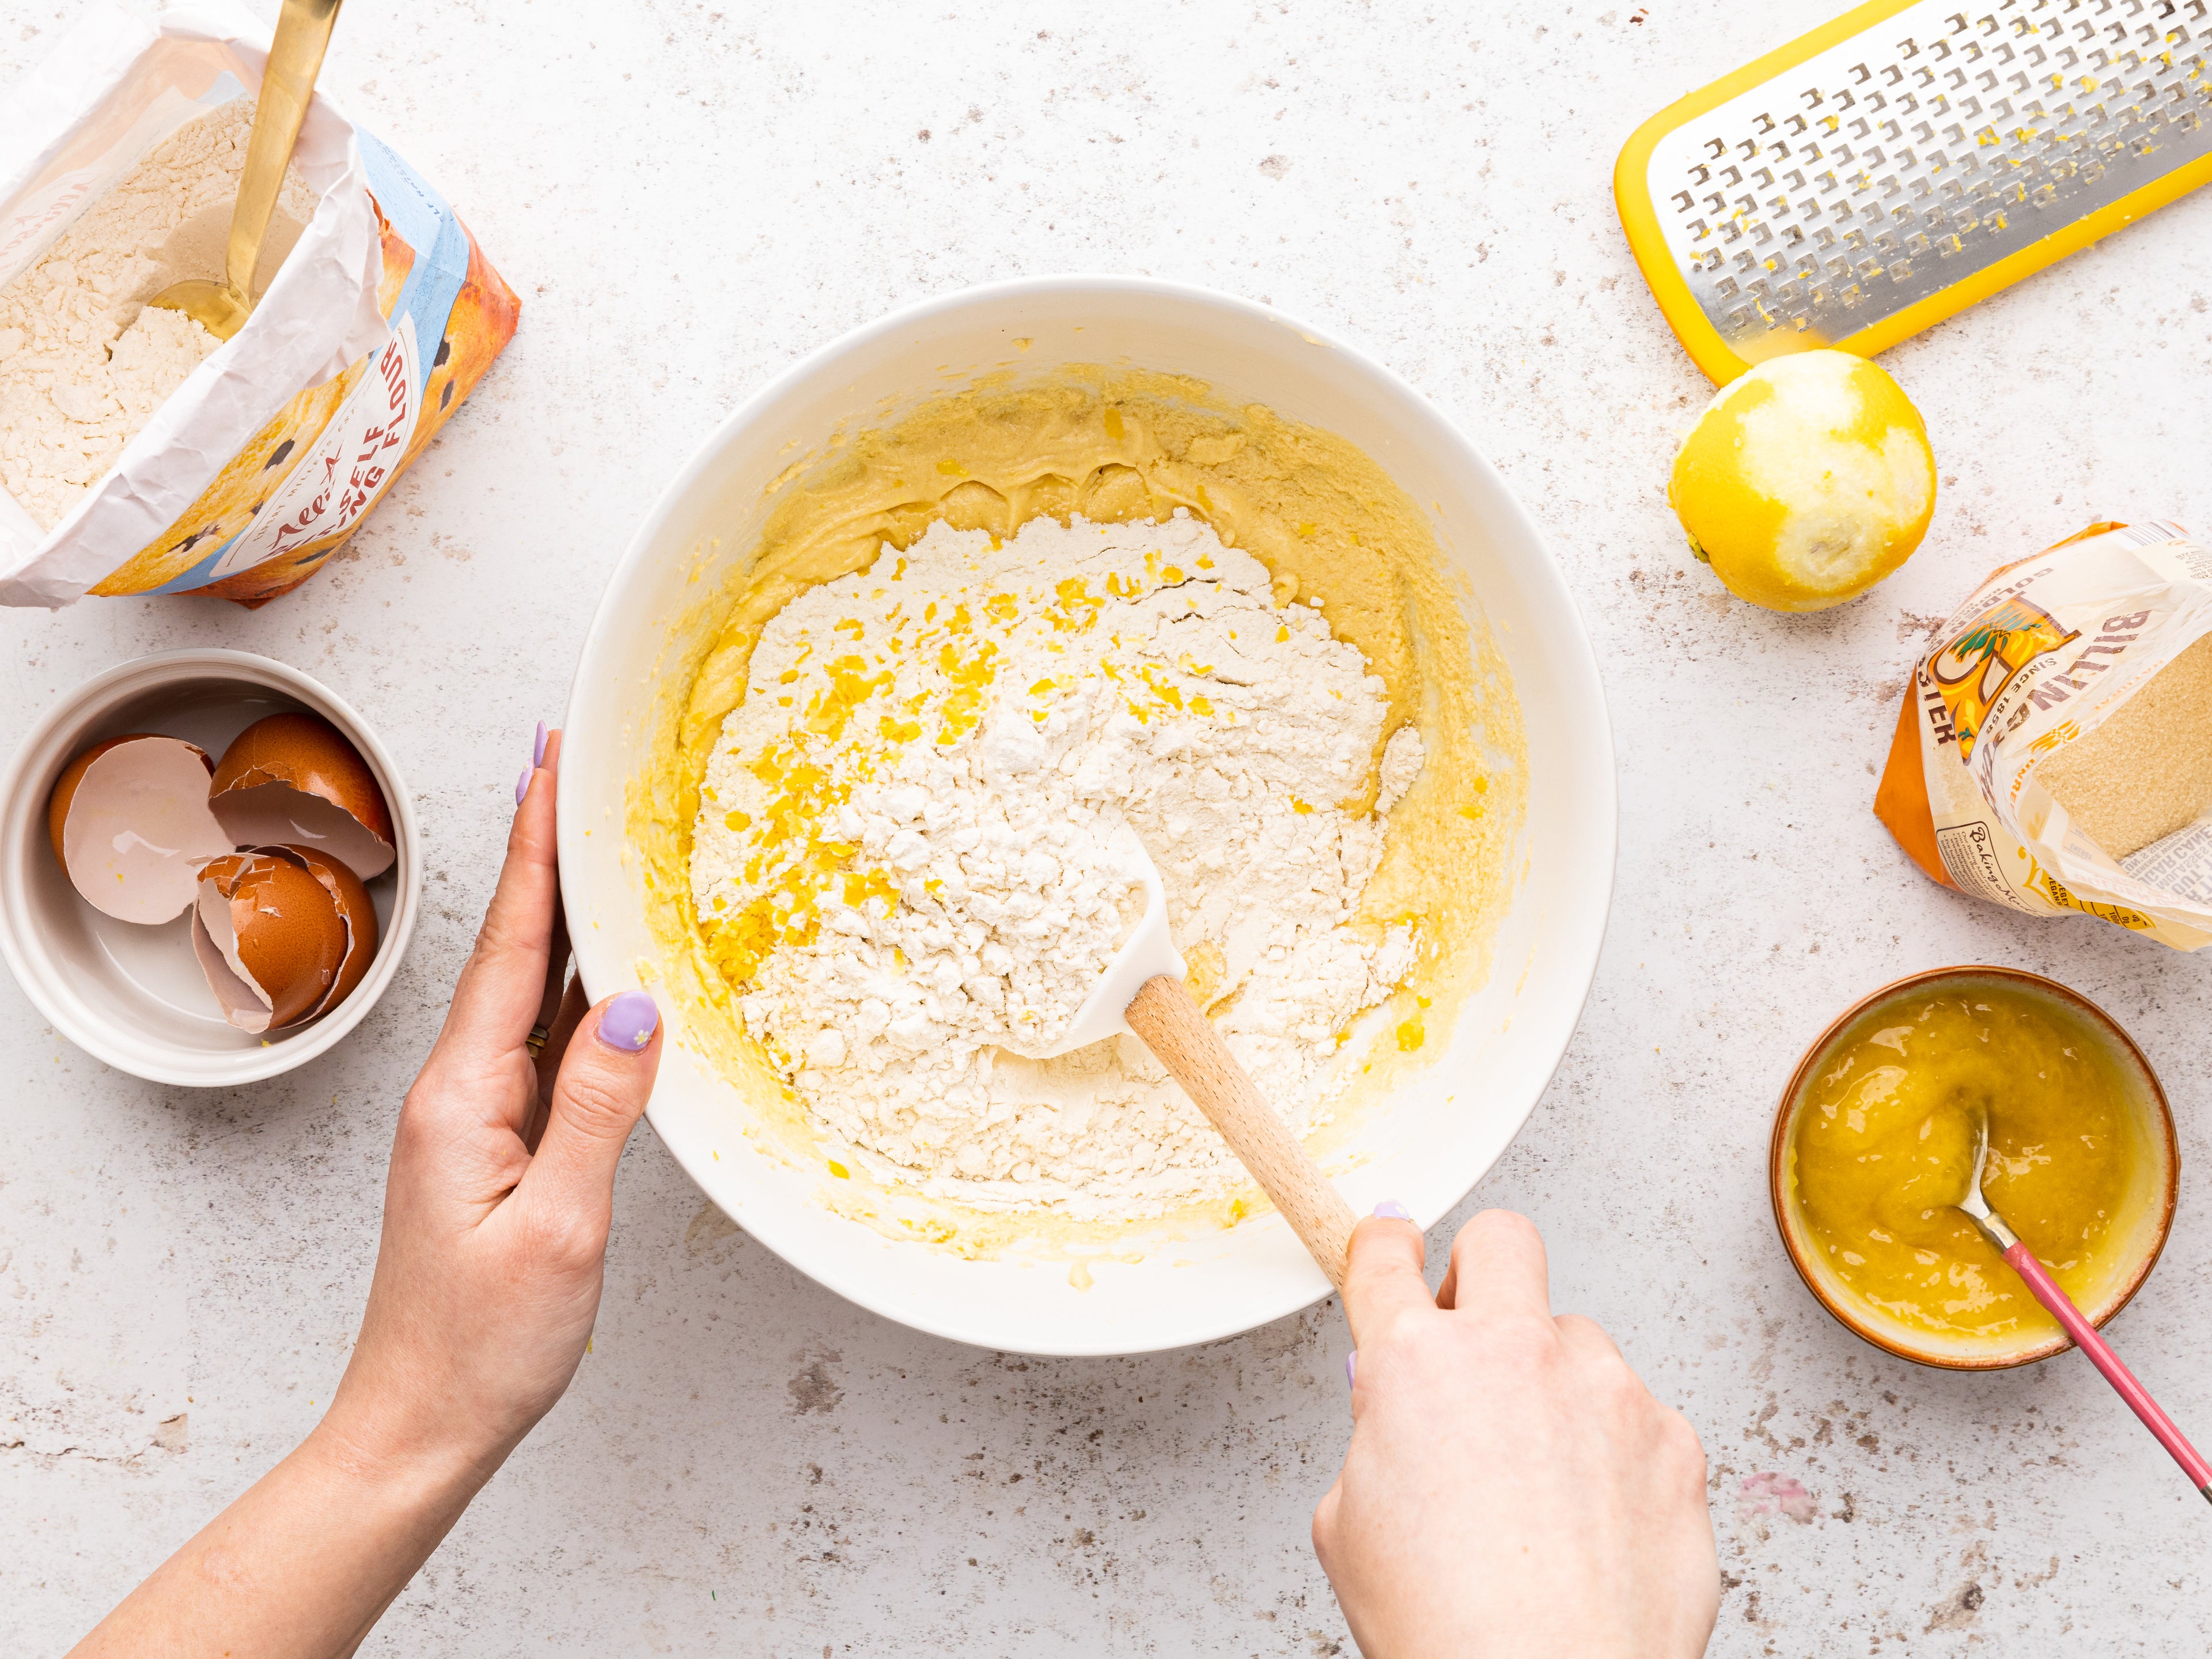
(1142, 991)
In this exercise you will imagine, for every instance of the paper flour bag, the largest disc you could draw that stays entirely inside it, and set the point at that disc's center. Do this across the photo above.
(2054, 753)
(137, 455)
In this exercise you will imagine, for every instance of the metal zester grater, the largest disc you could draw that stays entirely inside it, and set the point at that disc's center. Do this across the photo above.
(1906, 160)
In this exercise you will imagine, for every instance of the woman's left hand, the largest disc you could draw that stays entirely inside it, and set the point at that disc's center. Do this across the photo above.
(502, 1187)
(487, 1278)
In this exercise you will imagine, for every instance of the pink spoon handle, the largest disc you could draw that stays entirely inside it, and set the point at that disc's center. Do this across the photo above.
(2102, 1357)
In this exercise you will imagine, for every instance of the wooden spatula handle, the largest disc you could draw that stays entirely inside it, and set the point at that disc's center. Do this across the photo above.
(1174, 1028)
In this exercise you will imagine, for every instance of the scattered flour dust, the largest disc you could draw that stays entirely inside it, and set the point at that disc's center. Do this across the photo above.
(911, 858)
(83, 361)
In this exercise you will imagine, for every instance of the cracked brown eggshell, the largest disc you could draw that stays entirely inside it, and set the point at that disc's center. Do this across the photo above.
(358, 913)
(294, 780)
(270, 936)
(131, 825)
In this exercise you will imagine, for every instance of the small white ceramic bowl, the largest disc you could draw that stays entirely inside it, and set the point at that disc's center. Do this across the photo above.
(1425, 1146)
(134, 997)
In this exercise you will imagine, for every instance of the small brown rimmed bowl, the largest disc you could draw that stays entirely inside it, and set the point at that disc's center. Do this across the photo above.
(2153, 1211)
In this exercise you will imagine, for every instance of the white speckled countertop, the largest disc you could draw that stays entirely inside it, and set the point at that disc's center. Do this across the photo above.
(688, 197)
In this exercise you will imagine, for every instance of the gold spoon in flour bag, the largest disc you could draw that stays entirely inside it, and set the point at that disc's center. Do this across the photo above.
(288, 84)
(1142, 992)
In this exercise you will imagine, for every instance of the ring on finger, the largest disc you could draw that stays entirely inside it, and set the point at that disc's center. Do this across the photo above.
(536, 1039)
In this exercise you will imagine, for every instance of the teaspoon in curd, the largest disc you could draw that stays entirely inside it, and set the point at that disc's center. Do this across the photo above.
(2022, 1261)
(288, 85)
(1142, 992)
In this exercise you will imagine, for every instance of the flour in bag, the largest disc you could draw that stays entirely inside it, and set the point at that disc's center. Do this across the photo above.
(912, 856)
(84, 362)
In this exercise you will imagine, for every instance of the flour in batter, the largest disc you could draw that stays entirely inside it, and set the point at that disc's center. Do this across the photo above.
(912, 855)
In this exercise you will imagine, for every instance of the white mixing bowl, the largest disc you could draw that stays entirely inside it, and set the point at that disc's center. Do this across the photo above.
(1436, 1137)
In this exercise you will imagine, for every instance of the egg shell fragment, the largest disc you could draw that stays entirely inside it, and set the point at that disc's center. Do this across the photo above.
(356, 910)
(270, 936)
(240, 1000)
(294, 780)
(131, 826)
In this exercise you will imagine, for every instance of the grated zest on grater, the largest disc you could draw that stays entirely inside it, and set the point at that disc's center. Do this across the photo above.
(1910, 158)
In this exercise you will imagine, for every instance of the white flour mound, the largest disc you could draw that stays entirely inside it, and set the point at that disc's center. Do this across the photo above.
(83, 361)
(912, 855)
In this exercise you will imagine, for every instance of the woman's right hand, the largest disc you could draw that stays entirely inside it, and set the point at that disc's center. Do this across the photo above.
(1511, 1487)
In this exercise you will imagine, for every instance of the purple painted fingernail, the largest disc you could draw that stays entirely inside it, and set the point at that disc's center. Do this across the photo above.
(522, 784)
(537, 754)
(630, 1021)
(1352, 1369)
(1392, 1210)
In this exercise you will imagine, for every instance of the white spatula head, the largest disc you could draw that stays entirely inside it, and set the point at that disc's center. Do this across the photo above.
(1147, 952)
(1174, 1028)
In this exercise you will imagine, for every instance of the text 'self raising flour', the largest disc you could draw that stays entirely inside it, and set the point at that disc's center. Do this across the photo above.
(2054, 753)
(267, 456)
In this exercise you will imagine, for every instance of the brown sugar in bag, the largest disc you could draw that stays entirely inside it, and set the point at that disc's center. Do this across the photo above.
(2054, 751)
(2147, 771)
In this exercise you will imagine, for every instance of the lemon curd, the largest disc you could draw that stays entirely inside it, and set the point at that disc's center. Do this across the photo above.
(1882, 1149)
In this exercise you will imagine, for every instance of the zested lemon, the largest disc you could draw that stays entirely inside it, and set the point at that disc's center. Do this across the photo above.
(1806, 481)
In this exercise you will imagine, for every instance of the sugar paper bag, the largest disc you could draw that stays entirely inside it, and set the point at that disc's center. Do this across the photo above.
(2040, 697)
(383, 317)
